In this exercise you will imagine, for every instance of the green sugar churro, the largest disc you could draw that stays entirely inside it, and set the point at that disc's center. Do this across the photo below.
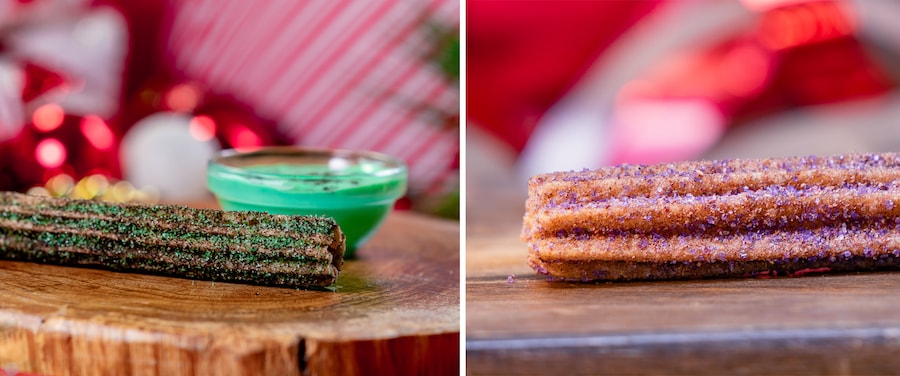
(244, 247)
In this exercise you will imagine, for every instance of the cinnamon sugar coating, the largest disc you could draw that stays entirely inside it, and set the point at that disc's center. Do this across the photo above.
(716, 218)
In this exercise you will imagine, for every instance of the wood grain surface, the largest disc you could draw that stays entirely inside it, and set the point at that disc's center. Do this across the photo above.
(518, 322)
(395, 311)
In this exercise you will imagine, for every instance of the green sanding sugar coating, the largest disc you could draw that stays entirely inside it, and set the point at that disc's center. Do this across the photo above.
(246, 247)
(357, 190)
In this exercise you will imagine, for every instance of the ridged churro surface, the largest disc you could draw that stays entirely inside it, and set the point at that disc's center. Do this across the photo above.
(716, 218)
(247, 247)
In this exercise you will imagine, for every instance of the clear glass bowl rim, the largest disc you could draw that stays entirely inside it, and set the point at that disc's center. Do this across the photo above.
(392, 166)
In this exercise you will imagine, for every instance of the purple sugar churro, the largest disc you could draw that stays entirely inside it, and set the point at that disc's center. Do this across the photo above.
(777, 216)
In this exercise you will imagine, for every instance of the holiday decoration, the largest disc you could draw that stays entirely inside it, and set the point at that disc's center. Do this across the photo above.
(94, 187)
(61, 69)
(166, 151)
(144, 93)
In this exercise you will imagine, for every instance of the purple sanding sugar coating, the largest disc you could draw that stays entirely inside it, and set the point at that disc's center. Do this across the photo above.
(815, 215)
(824, 223)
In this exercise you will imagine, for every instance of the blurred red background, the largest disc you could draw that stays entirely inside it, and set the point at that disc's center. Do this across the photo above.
(78, 77)
(529, 59)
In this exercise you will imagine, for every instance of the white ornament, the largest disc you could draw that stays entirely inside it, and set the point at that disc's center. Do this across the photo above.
(159, 152)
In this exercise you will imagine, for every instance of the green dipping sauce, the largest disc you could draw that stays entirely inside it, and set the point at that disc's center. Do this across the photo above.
(357, 189)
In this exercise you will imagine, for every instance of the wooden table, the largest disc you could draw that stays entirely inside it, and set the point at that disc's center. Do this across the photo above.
(520, 323)
(395, 311)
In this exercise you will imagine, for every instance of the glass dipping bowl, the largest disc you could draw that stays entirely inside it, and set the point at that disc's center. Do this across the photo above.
(356, 188)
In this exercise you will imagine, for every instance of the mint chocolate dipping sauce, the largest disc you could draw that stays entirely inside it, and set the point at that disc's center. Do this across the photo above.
(356, 188)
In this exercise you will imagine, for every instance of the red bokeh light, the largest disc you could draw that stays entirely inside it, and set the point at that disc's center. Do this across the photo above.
(182, 98)
(97, 132)
(244, 139)
(48, 117)
(805, 23)
(202, 128)
(50, 153)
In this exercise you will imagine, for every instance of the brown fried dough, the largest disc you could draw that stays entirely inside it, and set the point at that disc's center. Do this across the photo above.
(716, 218)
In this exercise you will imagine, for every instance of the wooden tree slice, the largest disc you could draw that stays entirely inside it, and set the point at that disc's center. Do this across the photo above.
(395, 311)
